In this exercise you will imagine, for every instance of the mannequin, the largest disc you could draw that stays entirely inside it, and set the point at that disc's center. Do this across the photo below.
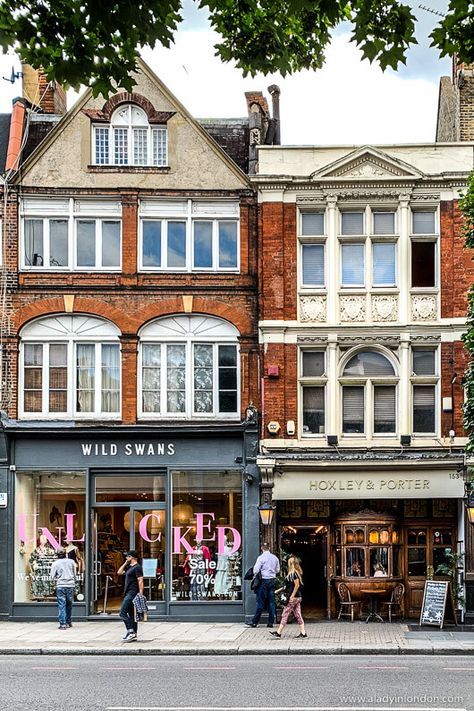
(196, 566)
(223, 580)
(41, 561)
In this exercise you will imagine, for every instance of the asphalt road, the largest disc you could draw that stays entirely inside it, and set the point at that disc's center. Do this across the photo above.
(320, 683)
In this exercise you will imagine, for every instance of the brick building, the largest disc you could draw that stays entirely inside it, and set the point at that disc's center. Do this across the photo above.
(362, 305)
(130, 351)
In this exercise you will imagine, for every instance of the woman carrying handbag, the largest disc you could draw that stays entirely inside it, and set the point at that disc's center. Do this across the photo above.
(291, 597)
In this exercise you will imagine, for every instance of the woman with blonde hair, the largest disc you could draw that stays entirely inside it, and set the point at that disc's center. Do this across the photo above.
(293, 584)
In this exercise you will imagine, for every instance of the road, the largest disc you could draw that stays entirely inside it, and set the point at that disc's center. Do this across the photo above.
(322, 683)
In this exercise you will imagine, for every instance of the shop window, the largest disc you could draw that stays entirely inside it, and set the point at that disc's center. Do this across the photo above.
(49, 513)
(189, 236)
(370, 550)
(189, 368)
(130, 140)
(69, 370)
(355, 562)
(416, 561)
(379, 565)
(417, 536)
(207, 550)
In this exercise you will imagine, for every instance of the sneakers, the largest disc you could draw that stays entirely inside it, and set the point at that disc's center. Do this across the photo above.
(276, 634)
(62, 627)
(250, 624)
(130, 637)
(301, 636)
(269, 625)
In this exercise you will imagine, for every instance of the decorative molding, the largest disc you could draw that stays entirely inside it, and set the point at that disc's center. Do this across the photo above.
(313, 340)
(352, 308)
(424, 307)
(313, 308)
(384, 307)
(365, 169)
(372, 194)
(432, 197)
(386, 340)
(425, 338)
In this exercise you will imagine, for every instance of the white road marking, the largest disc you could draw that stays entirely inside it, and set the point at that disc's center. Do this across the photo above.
(301, 667)
(126, 668)
(52, 668)
(206, 668)
(469, 669)
(380, 667)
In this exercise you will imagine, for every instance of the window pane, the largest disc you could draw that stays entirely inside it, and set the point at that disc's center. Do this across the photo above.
(176, 378)
(121, 146)
(370, 364)
(313, 364)
(203, 377)
(212, 570)
(110, 392)
(140, 146)
(151, 377)
(424, 222)
(85, 243)
(424, 362)
(384, 223)
(33, 377)
(110, 244)
(126, 488)
(417, 562)
(227, 359)
(423, 264)
(352, 223)
(34, 249)
(151, 243)
(423, 408)
(353, 410)
(159, 146)
(379, 562)
(203, 244)
(101, 146)
(355, 562)
(353, 264)
(227, 245)
(384, 408)
(383, 264)
(313, 410)
(58, 243)
(58, 377)
(313, 264)
(176, 244)
(85, 374)
(312, 223)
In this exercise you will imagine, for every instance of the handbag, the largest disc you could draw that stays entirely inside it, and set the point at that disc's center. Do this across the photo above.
(284, 599)
(249, 574)
(256, 582)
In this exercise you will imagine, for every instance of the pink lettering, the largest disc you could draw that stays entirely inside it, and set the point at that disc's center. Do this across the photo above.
(200, 526)
(50, 538)
(222, 539)
(70, 529)
(142, 528)
(179, 540)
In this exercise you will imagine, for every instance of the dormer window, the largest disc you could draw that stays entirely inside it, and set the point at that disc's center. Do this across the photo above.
(129, 139)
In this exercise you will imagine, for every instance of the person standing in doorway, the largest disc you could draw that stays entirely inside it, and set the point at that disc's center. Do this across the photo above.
(133, 572)
(268, 566)
(293, 583)
(63, 573)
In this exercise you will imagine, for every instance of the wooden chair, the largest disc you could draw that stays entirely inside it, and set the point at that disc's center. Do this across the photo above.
(394, 605)
(347, 604)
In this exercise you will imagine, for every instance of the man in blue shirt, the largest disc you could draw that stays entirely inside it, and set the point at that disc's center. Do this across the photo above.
(268, 566)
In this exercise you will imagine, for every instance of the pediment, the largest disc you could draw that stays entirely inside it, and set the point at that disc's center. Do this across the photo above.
(367, 163)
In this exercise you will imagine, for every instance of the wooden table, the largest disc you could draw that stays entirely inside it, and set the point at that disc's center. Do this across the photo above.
(373, 594)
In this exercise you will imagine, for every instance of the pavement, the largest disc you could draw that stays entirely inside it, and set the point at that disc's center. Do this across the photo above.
(189, 638)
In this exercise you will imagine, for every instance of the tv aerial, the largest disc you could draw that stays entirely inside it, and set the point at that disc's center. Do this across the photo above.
(13, 76)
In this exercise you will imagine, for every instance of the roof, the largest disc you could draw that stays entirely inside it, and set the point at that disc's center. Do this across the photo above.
(4, 137)
(232, 135)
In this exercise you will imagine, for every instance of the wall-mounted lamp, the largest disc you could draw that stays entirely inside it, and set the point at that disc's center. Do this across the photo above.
(469, 501)
(266, 512)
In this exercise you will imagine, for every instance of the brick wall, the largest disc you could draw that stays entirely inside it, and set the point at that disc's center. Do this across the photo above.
(280, 394)
(278, 261)
(457, 267)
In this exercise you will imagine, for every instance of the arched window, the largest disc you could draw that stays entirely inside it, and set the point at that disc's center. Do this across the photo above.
(70, 368)
(130, 140)
(189, 368)
(369, 390)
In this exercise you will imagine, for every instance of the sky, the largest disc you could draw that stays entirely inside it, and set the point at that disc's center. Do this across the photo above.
(348, 101)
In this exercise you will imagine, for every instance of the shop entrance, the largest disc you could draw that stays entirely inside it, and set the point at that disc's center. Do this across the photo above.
(309, 544)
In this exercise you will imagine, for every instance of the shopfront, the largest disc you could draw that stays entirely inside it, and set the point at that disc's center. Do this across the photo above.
(368, 526)
(185, 500)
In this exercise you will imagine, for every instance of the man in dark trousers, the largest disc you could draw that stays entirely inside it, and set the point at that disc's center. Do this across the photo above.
(133, 572)
(268, 566)
(63, 573)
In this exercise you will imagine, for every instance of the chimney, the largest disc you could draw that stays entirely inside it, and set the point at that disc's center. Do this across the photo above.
(15, 139)
(262, 128)
(274, 92)
(456, 104)
(47, 95)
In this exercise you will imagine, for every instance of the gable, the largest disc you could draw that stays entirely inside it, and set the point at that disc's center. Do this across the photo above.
(367, 163)
(195, 161)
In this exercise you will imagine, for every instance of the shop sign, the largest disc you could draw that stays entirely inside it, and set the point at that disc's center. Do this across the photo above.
(3, 500)
(128, 449)
(376, 485)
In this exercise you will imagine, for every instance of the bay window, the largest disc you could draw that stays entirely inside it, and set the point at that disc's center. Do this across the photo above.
(189, 368)
(69, 370)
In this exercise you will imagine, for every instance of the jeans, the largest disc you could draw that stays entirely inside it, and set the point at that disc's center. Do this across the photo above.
(265, 594)
(64, 597)
(127, 612)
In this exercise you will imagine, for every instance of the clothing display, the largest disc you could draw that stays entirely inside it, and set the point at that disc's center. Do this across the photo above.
(227, 577)
(41, 560)
(196, 566)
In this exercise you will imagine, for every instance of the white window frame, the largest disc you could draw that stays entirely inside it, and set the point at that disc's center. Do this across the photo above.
(433, 380)
(189, 211)
(176, 331)
(70, 331)
(72, 210)
(129, 128)
(310, 240)
(312, 381)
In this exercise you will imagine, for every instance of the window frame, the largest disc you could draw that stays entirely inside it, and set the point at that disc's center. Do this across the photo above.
(427, 380)
(189, 212)
(71, 341)
(427, 237)
(305, 240)
(72, 210)
(312, 381)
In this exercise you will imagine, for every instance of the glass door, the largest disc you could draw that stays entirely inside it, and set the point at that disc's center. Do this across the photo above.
(110, 541)
(148, 538)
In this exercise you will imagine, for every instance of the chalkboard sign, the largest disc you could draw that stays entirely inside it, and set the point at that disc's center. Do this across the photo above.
(436, 595)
